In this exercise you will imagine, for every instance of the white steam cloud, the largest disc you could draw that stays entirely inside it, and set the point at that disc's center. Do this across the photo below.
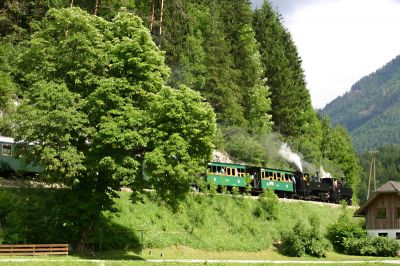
(290, 156)
(325, 174)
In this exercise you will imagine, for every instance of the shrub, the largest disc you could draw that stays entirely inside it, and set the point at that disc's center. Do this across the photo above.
(302, 240)
(385, 247)
(316, 248)
(235, 191)
(292, 245)
(342, 229)
(370, 246)
(350, 238)
(358, 246)
(267, 207)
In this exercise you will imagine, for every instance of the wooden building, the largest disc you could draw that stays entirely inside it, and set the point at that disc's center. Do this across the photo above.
(382, 211)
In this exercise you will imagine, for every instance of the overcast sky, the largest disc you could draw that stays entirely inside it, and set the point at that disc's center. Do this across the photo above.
(340, 41)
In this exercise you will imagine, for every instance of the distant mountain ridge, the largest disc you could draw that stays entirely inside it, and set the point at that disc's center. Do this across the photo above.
(371, 109)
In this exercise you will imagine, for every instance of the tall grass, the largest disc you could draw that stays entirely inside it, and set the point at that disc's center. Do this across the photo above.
(214, 222)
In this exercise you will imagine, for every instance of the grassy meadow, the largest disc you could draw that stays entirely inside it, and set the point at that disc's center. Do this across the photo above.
(209, 222)
(212, 226)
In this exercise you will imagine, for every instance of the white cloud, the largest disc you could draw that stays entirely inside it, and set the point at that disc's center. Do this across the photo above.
(343, 40)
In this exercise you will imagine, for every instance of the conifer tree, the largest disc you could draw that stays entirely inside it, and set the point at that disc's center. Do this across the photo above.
(292, 113)
(254, 95)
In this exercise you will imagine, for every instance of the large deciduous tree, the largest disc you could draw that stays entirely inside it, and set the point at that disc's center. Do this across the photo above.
(336, 147)
(96, 105)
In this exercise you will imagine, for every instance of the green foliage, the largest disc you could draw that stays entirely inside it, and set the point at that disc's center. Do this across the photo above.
(211, 48)
(8, 88)
(219, 222)
(349, 237)
(292, 113)
(371, 246)
(235, 191)
(268, 205)
(345, 227)
(387, 167)
(302, 240)
(251, 148)
(242, 147)
(102, 114)
(337, 148)
(16, 16)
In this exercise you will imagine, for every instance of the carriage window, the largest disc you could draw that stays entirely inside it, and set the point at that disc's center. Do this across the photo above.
(380, 213)
(6, 150)
(228, 171)
(383, 234)
(397, 212)
(241, 173)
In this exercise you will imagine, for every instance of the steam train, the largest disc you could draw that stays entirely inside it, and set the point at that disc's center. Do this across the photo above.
(285, 183)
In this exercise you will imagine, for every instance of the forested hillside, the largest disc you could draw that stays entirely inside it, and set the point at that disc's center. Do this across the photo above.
(139, 93)
(387, 167)
(371, 110)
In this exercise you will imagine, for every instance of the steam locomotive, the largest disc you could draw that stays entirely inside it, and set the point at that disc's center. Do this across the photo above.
(285, 183)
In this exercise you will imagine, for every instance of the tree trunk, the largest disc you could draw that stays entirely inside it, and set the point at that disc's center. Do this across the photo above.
(72, 3)
(161, 18)
(96, 7)
(152, 16)
(83, 239)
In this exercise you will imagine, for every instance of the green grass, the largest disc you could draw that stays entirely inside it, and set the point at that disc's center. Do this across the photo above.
(203, 227)
(212, 223)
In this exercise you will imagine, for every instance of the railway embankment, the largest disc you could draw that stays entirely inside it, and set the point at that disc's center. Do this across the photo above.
(210, 221)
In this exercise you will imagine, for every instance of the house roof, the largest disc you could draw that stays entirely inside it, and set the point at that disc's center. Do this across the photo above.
(389, 187)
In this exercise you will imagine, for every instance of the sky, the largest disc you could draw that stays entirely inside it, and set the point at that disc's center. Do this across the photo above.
(340, 41)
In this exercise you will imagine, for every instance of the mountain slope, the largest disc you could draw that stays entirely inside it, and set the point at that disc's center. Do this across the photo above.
(371, 110)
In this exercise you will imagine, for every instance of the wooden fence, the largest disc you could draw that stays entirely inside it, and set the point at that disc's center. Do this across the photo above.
(33, 249)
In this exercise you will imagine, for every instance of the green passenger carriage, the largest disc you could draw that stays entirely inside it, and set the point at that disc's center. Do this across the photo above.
(10, 164)
(237, 175)
(277, 179)
(225, 174)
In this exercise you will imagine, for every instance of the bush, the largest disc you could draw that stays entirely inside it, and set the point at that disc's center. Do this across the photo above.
(351, 238)
(342, 229)
(370, 246)
(302, 241)
(385, 247)
(316, 247)
(267, 207)
(358, 246)
(292, 245)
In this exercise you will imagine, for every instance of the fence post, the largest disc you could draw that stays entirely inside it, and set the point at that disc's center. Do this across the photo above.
(101, 238)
